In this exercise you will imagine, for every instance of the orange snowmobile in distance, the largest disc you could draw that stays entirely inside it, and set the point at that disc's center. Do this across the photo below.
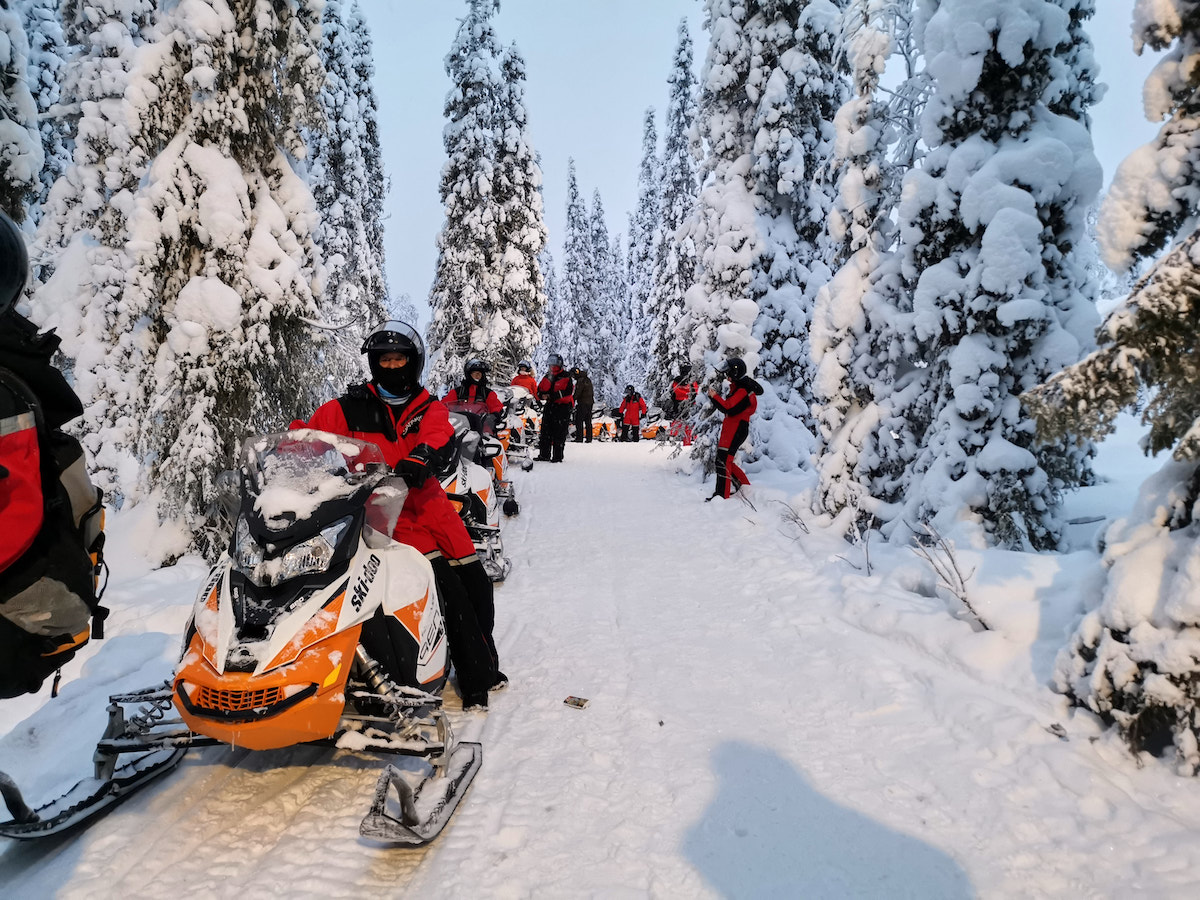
(276, 653)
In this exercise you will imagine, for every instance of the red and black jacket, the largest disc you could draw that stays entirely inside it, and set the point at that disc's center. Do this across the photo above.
(738, 406)
(470, 392)
(632, 408)
(557, 390)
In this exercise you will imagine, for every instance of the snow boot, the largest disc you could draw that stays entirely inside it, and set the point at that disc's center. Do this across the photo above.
(500, 683)
(475, 701)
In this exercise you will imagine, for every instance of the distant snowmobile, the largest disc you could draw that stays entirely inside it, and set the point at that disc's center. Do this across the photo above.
(276, 651)
(471, 489)
(519, 431)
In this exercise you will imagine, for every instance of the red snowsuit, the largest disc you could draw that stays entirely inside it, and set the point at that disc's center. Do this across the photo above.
(477, 398)
(558, 393)
(526, 381)
(738, 406)
(631, 410)
(428, 521)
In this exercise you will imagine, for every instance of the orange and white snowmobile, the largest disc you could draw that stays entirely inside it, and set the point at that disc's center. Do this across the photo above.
(471, 489)
(604, 426)
(655, 428)
(489, 449)
(315, 627)
(519, 431)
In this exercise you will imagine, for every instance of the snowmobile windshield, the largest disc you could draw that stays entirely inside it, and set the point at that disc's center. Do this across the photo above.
(306, 476)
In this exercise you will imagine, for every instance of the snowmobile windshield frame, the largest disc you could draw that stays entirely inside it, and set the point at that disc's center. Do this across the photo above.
(296, 483)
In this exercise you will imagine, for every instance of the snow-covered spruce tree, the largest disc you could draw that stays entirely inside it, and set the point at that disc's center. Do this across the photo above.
(854, 312)
(600, 334)
(644, 236)
(353, 300)
(984, 222)
(571, 322)
(374, 192)
(222, 236)
(47, 59)
(1135, 657)
(467, 316)
(795, 83)
(675, 252)
(548, 342)
(522, 232)
(21, 153)
(123, 108)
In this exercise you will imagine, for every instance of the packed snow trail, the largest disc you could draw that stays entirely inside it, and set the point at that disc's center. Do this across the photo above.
(765, 719)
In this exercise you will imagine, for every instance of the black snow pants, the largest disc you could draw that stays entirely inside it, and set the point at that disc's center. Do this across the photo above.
(583, 424)
(556, 421)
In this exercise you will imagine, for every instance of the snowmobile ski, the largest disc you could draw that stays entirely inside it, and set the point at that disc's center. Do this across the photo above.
(87, 798)
(425, 810)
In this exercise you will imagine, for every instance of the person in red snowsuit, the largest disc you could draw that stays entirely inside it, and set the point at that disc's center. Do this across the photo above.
(558, 393)
(682, 390)
(525, 378)
(631, 410)
(475, 397)
(414, 432)
(738, 405)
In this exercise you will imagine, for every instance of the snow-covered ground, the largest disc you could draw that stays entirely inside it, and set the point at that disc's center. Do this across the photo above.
(766, 719)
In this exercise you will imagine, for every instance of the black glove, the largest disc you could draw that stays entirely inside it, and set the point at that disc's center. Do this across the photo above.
(414, 468)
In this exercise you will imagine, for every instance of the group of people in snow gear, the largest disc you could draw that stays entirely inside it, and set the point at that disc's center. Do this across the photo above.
(556, 391)
(51, 542)
(585, 399)
(630, 412)
(738, 405)
(412, 428)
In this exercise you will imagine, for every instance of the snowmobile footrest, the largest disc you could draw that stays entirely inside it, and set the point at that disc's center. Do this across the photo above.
(424, 811)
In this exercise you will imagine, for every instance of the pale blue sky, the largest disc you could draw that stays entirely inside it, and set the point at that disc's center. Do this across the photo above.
(593, 68)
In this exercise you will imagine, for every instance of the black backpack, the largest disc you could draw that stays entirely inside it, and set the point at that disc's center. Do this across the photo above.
(49, 564)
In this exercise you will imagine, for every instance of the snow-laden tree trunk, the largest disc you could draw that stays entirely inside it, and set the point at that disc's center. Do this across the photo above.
(1006, 180)
(600, 331)
(21, 154)
(222, 236)
(522, 232)
(1133, 659)
(125, 105)
(342, 185)
(675, 252)
(465, 300)
(47, 60)
(644, 237)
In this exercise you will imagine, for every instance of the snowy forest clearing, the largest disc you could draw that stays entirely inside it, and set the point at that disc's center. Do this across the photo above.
(764, 720)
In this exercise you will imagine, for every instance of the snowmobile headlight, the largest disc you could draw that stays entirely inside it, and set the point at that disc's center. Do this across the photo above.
(247, 552)
(305, 558)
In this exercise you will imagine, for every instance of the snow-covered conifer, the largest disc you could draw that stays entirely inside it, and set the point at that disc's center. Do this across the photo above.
(853, 312)
(47, 59)
(549, 341)
(21, 152)
(644, 236)
(222, 236)
(571, 320)
(675, 252)
(600, 335)
(374, 192)
(467, 316)
(353, 297)
(522, 231)
(1132, 658)
(82, 256)
(987, 224)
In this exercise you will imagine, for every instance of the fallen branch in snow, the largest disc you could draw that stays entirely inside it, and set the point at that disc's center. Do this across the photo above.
(791, 516)
(939, 553)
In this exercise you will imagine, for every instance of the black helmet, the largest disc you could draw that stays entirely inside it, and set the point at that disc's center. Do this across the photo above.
(525, 364)
(733, 368)
(629, 388)
(14, 263)
(476, 365)
(395, 337)
(554, 360)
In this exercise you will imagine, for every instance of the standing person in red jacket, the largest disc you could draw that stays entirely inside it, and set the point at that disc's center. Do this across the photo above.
(525, 378)
(475, 397)
(414, 432)
(558, 393)
(631, 410)
(738, 405)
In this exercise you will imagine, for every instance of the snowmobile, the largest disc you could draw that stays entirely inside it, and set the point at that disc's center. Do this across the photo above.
(519, 433)
(282, 645)
(655, 428)
(471, 490)
(604, 426)
(490, 451)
